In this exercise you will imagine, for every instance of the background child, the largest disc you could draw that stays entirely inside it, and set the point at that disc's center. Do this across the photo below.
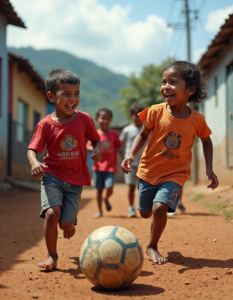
(127, 136)
(104, 170)
(164, 166)
(64, 170)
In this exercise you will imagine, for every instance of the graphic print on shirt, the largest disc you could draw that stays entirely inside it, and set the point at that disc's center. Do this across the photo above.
(68, 144)
(174, 196)
(106, 146)
(171, 142)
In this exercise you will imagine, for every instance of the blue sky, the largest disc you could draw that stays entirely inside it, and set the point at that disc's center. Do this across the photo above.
(119, 35)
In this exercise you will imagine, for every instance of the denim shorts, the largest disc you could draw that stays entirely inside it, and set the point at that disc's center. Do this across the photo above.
(167, 192)
(57, 192)
(131, 177)
(103, 179)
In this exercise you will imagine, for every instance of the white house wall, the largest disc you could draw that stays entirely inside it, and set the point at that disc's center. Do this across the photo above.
(4, 97)
(216, 119)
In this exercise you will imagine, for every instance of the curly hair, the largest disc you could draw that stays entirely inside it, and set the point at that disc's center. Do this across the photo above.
(190, 73)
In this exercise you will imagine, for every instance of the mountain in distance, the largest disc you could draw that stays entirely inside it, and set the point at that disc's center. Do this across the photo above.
(99, 86)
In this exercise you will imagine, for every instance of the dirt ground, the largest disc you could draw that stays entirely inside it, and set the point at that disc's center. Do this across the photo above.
(188, 242)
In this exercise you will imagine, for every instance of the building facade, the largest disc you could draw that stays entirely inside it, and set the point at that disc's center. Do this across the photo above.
(217, 62)
(7, 16)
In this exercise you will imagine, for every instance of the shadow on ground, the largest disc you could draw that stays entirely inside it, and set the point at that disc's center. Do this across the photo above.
(190, 263)
(26, 227)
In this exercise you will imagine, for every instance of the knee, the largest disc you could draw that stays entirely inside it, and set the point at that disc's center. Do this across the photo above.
(109, 190)
(159, 209)
(65, 225)
(132, 188)
(145, 215)
(52, 215)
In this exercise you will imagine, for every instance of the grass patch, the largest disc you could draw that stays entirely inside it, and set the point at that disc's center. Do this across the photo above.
(218, 206)
(228, 214)
(198, 197)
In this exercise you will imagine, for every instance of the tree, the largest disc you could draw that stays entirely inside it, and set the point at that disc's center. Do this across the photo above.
(145, 87)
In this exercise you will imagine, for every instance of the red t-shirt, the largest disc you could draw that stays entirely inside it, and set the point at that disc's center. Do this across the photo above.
(109, 143)
(66, 147)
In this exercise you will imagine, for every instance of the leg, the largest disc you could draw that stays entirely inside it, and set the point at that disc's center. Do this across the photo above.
(69, 229)
(99, 203)
(108, 183)
(52, 217)
(159, 220)
(131, 193)
(180, 203)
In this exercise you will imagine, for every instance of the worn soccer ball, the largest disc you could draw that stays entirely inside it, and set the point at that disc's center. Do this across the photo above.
(111, 257)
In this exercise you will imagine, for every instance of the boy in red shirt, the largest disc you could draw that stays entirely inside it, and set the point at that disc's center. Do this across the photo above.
(104, 170)
(64, 170)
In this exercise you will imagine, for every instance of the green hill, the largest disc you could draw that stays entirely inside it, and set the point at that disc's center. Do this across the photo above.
(99, 86)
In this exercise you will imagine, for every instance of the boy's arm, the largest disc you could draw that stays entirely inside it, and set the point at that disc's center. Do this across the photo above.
(208, 154)
(37, 167)
(96, 154)
(138, 143)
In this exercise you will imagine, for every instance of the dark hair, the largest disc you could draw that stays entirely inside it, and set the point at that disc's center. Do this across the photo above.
(105, 110)
(60, 76)
(190, 73)
(136, 108)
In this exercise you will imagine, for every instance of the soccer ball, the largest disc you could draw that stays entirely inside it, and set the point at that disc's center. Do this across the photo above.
(111, 257)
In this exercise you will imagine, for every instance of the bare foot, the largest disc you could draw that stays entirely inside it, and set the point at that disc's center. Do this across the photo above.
(155, 256)
(50, 263)
(69, 233)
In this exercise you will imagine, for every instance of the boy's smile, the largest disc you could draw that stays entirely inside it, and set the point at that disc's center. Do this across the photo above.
(66, 100)
(173, 89)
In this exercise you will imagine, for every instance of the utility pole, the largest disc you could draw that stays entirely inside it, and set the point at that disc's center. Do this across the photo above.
(188, 30)
(187, 11)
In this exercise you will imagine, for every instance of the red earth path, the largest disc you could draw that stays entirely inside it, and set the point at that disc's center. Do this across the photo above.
(188, 242)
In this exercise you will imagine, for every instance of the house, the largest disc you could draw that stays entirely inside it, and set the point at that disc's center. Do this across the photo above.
(27, 105)
(7, 16)
(217, 63)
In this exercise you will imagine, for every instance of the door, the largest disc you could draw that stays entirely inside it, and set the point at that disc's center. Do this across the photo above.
(229, 86)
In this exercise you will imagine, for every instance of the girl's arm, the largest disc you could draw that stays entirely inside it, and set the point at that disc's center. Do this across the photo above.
(208, 154)
(138, 143)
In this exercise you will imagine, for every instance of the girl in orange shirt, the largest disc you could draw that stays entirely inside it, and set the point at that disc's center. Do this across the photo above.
(165, 163)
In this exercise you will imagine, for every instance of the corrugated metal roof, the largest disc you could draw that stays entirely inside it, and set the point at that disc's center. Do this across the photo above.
(218, 44)
(7, 10)
(25, 66)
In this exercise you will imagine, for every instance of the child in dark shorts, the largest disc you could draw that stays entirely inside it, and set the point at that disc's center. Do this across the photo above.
(64, 170)
(104, 170)
(164, 166)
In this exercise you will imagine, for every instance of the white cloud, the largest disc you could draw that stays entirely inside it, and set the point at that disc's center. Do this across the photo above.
(197, 54)
(217, 18)
(89, 30)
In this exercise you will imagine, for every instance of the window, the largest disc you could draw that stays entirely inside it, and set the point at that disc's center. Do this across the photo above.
(36, 119)
(216, 90)
(22, 122)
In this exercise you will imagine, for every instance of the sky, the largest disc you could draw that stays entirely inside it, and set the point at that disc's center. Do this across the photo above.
(121, 35)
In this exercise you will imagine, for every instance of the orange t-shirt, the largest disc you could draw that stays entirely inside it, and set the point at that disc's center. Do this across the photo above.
(167, 156)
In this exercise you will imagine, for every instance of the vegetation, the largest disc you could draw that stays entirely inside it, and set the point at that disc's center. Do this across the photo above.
(198, 197)
(144, 88)
(99, 86)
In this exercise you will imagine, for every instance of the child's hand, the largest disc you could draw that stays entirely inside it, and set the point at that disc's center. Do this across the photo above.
(37, 169)
(96, 155)
(213, 178)
(126, 164)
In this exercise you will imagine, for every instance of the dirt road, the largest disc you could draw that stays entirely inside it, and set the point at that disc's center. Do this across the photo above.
(188, 242)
